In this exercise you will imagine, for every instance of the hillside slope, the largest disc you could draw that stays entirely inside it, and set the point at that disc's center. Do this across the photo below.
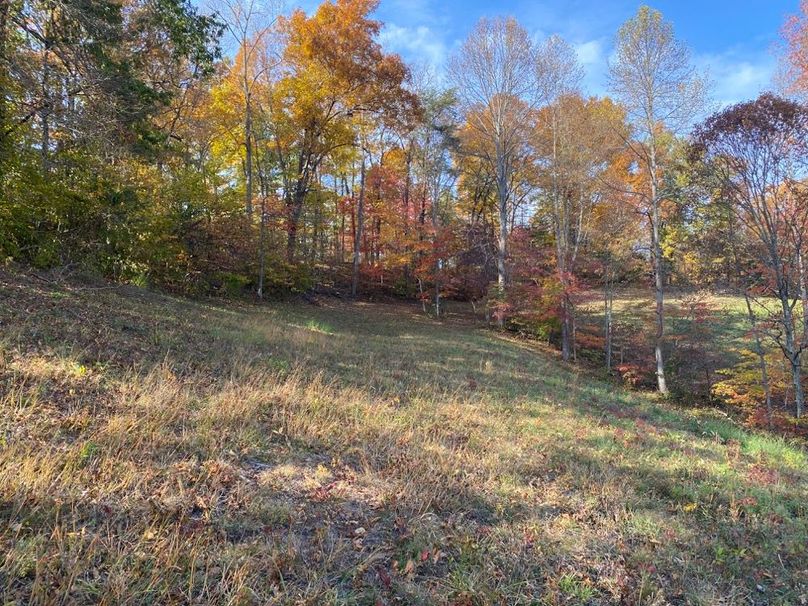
(156, 450)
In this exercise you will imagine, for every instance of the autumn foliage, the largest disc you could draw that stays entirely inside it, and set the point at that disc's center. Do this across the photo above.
(253, 153)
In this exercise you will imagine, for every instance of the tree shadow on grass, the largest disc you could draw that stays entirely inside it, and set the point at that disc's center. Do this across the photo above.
(588, 498)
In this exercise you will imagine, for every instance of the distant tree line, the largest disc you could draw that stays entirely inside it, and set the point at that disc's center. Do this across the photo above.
(241, 150)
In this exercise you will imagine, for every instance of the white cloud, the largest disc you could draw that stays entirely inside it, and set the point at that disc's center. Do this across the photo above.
(419, 44)
(593, 57)
(737, 78)
(590, 53)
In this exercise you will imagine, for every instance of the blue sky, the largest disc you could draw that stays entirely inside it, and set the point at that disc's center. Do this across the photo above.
(731, 40)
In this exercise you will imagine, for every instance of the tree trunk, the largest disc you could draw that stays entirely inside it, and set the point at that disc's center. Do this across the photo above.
(306, 166)
(803, 294)
(560, 228)
(792, 352)
(248, 163)
(659, 279)
(750, 312)
(360, 217)
(315, 236)
(294, 212)
(44, 114)
(435, 244)
(502, 253)
(342, 237)
(608, 300)
(566, 326)
(764, 372)
(261, 246)
(5, 7)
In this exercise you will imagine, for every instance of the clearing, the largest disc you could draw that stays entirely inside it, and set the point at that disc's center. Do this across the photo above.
(158, 450)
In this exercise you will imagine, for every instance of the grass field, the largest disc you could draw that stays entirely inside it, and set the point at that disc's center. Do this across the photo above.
(635, 307)
(709, 351)
(156, 450)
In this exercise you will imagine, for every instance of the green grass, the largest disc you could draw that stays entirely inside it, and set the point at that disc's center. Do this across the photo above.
(709, 351)
(156, 450)
(635, 308)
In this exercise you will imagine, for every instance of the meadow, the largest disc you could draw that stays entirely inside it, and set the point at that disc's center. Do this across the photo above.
(161, 450)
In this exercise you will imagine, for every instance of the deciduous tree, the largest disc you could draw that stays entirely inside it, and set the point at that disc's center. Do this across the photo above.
(652, 76)
(759, 150)
(496, 74)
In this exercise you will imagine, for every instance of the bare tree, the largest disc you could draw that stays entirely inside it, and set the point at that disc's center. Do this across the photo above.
(495, 73)
(653, 77)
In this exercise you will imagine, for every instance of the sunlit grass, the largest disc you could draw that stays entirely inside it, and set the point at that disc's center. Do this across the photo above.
(361, 454)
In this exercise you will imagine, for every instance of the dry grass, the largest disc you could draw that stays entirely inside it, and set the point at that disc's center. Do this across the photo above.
(161, 451)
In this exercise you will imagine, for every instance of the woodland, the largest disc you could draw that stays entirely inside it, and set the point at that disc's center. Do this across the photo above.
(308, 157)
(287, 320)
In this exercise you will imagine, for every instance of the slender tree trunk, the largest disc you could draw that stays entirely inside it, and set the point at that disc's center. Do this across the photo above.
(792, 352)
(295, 211)
(764, 371)
(315, 236)
(306, 167)
(560, 227)
(261, 246)
(435, 234)
(248, 163)
(502, 252)
(566, 328)
(750, 312)
(5, 7)
(353, 227)
(803, 294)
(659, 279)
(342, 237)
(608, 300)
(44, 115)
(346, 193)
(407, 188)
(359, 220)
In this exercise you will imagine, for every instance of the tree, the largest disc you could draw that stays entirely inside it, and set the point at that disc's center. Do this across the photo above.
(249, 23)
(102, 73)
(87, 89)
(561, 77)
(615, 233)
(496, 76)
(577, 141)
(651, 75)
(436, 138)
(794, 64)
(758, 150)
(360, 218)
(334, 69)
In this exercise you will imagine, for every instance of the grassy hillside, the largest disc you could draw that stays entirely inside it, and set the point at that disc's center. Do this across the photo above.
(710, 353)
(162, 451)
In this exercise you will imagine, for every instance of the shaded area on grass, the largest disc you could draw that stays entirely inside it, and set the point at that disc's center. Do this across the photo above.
(155, 449)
